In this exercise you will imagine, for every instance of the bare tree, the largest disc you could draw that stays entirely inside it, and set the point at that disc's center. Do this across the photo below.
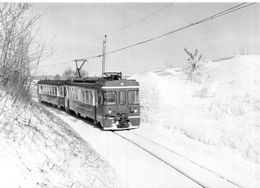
(20, 53)
(83, 73)
(193, 60)
(57, 77)
(69, 73)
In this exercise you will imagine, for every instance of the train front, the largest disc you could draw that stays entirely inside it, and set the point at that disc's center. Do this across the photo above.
(121, 107)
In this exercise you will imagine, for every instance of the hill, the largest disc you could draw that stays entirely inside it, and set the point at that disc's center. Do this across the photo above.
(219, 106)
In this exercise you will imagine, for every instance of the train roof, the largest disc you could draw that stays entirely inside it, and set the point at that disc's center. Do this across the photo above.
(91, 82)
(52, 82)
(108, 79)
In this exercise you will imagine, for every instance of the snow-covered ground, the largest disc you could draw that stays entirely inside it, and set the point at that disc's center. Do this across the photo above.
(206, 126)
(135, 167)
(215, 114)
(40, 150)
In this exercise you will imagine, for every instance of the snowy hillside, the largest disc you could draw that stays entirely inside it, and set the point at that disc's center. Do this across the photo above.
(219, 107)
(40, 150)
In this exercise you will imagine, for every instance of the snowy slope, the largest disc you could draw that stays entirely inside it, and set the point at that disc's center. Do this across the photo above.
(219, 108)
(40, 150)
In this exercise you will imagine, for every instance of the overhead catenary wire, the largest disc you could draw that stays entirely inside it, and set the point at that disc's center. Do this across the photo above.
(227, 11)
(124, 27)
(222, 12)
(119, 30)
(130, 24)
(214, 16)
(140, 20)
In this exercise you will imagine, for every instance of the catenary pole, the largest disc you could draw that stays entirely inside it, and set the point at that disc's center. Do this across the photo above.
(104, 55)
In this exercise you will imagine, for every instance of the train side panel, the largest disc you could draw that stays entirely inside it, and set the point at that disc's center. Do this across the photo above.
(81, 101)
(51, 92)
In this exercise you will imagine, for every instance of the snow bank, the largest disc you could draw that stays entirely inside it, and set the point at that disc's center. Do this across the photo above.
(39, 150)
(220, 106)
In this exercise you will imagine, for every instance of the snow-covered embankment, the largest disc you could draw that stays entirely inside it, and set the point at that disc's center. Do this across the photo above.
(40, 150)
(219, 107)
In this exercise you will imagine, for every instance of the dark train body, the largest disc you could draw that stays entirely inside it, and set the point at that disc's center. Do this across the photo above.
(111, 101)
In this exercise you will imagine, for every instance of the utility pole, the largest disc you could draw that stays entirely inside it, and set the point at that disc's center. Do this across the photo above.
(104, 55)
(77, 68)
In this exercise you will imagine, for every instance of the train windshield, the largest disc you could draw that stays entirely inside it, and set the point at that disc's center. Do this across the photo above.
(133, 97)
(109, 97)
(122, 97)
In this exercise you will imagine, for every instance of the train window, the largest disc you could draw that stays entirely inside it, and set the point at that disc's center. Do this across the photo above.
(99, 98)
(87, 97)
(61, 91)
(76, 94)
(90, 97)
(82, 95)
(133, 97)
(71, 93)
(122, 97)
(109, 97)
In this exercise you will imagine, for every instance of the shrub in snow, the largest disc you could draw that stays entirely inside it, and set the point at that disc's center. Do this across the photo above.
(193, 60)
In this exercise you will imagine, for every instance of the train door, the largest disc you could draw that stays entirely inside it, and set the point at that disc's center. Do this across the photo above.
(122, 103)
(39, 92)
(99, 106)
(95, 104)
(66, 100)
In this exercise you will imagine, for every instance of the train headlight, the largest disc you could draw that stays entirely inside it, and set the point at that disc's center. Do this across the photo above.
(109, 111)
(135, 110)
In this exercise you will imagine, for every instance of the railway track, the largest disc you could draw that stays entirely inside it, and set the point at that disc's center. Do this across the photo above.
(170, 150)
(162, 160)
(152, 149)
(191, 176)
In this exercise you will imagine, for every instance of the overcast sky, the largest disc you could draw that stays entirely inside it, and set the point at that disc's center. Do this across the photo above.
(77, 30)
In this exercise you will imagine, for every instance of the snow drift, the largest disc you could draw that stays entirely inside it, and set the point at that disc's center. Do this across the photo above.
(40, 150)
(219, 106)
